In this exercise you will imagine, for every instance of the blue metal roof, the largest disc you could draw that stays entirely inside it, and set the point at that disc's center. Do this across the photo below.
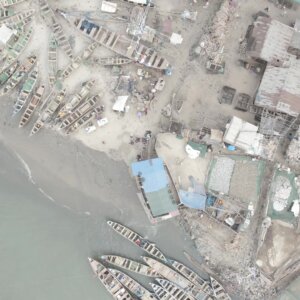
(192, 199)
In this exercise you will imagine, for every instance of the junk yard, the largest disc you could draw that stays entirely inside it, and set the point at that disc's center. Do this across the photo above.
(201, 99)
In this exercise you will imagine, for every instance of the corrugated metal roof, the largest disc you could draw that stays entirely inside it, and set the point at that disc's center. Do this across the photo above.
(280, 88)
(269, 41)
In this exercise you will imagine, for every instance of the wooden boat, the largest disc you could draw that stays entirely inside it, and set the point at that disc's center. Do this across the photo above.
(34, 102)
(79, 112)
(18, 20)
(191, 276)
(76, 99)
(52, 60)
(130, 265)
(113, 286)
(219, 291)
(174, 290)
(120, 44)
(47, 114)
(111, 61)
(5, 13)
(13, 52)
(168, 273)
(6, 3)
(6, 74)
(26, 90)
(161, 293)
(19, 74)
(51, 21)
(137, 239)
(85, 119)
(133, 286)
(77, 61)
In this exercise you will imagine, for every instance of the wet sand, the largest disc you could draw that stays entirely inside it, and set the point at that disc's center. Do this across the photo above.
(56, 196)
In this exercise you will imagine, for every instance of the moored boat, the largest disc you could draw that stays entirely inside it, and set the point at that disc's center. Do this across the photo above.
(19, 74)
(161, 293)
(191, 276)
(12, 53)
(52, 60)
(26, 90)
(79, 112)
(219, 291)
(5, 13)
(137, 239)
(133, 286)
(18, 20)
(168, 273)
(48, 113)
(6, 3)
(174, 290)
(6, 74)
(130, 265)
(113, 286)
(34, 102)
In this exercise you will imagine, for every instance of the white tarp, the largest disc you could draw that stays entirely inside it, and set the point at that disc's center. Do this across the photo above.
(120, 103)
(6, 33)
(109, 7)
(176, 38)
(192, 153)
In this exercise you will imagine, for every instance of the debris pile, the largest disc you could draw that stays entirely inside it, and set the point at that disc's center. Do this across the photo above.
(293, 151)
(282, 192)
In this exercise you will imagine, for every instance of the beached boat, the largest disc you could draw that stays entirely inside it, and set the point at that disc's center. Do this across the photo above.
(6, 3)
(219, 291)
(34, 102)
(120, 44)
(133, 286)
(26, 90)
(76, 99)
(79, 111)
(52, 60)
(130, 265)
(85, 119)
(77, 61)
(161, 293)
(51, 21)
(174, 290)
(6, 74)
(18, 20)
(13, 52)
(191, 276)
(47, 114)
(19, 74)
(168, 273)
(5, 13)
(113, 286)
(137, 239)
(111, 61)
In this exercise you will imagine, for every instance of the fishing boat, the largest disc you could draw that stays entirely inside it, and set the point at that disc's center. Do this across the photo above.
(52, 60)
(130, 265)
(34, 102)
(6, 3)
(120, 44)
(19, 74)
(48, 113)
(13, 52)
(6, 74)
(18, 20)
(26, 90)
(113, 286)
(51, 21)
(137, 239)
(5, 13)
(174, 290)
(77, 61)
(168, 273)
(133, 286)
(191, 276)
(85, 119)
(76, 99)
(161, 293)
(111, 61)
(79, 112)
(219, 291)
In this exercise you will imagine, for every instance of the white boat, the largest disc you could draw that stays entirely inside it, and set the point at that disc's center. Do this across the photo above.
(219, 291)
(52, 60)
(137, 240)
(6, 3)
(112, 285)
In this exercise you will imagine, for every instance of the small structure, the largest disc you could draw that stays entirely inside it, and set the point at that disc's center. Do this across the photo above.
(6, 34)
(176, 39)
(109, 7)
(157, 192)
(120, 104)
(294, 47)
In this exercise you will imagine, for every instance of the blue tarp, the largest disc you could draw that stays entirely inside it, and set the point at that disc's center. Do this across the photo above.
(192, 199)
(153, 173)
